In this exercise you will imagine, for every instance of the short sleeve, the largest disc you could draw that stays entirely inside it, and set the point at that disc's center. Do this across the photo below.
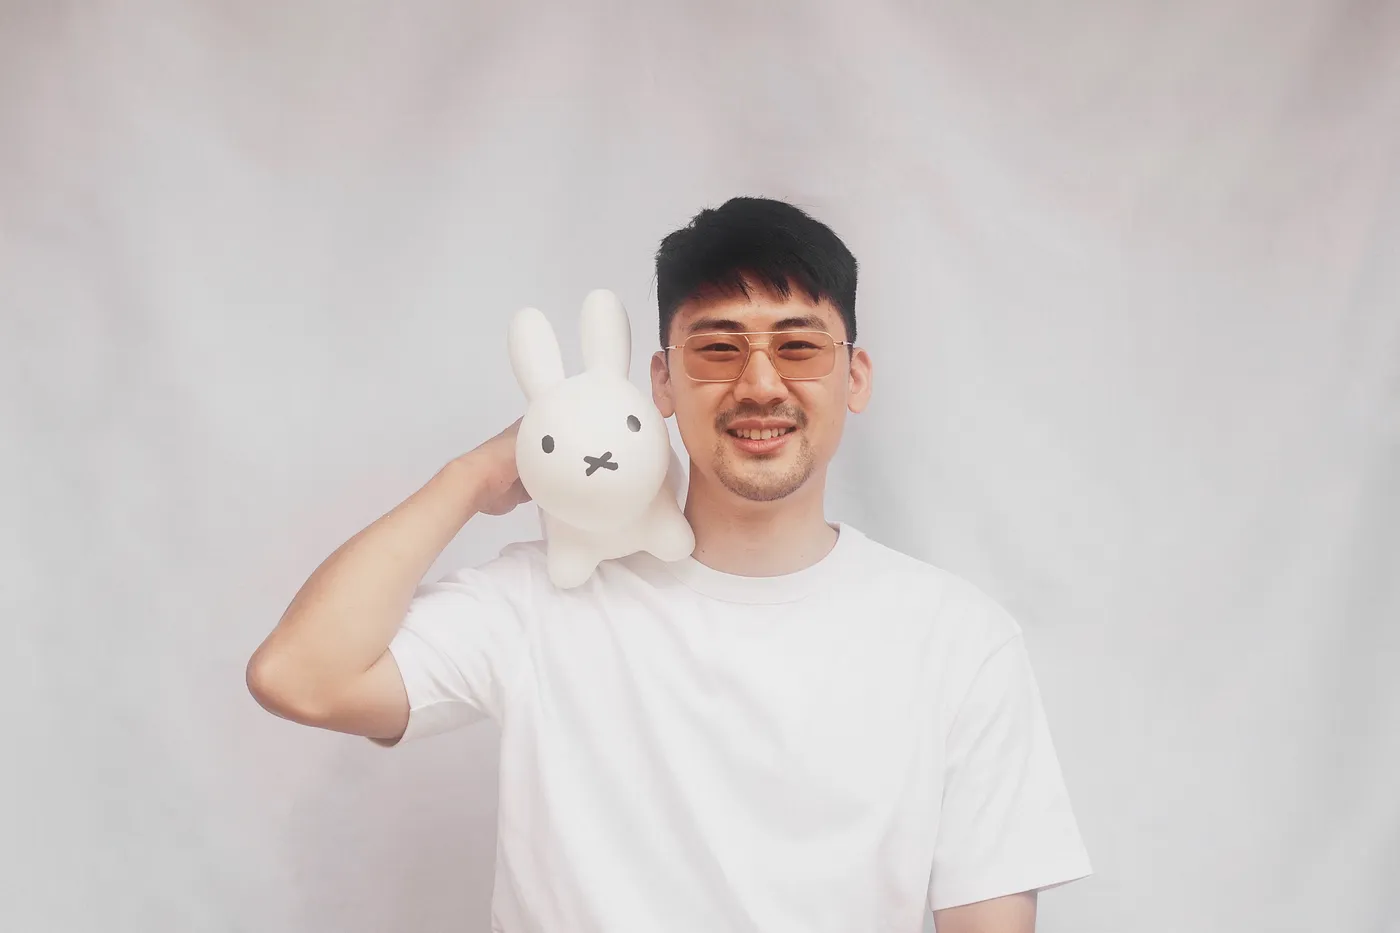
(1006, 823)
(458, 647)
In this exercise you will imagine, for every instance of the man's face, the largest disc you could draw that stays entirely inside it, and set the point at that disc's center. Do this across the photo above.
(761, 436)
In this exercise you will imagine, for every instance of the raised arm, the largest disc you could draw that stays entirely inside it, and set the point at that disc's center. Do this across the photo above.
(326, 663)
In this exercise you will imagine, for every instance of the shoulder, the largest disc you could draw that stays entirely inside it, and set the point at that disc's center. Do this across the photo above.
(961, 610)
(516, 571)
(521, 557)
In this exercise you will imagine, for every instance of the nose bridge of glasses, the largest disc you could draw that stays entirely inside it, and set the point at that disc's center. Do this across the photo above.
(774, 337)
(760, 346)
(747, 372)
(766, 343)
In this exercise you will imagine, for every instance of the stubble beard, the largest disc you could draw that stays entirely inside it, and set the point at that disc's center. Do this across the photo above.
(760, 479)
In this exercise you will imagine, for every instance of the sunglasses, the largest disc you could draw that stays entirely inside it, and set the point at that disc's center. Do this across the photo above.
(795, 354)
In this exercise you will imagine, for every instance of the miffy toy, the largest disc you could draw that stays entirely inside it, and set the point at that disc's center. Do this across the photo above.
(592, 450)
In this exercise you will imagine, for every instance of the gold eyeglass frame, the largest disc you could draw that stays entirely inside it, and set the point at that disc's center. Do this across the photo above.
(764, 345)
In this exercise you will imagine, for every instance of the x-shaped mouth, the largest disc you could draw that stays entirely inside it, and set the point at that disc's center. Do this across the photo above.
(605, 461)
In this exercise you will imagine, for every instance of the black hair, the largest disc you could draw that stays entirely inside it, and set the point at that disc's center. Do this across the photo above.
(754, 242)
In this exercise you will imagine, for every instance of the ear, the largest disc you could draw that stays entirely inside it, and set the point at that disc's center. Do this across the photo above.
(858, 381)
(534, 352)
(662, 392)
(607, 333)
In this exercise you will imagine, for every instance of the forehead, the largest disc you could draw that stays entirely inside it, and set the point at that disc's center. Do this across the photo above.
(760, 311)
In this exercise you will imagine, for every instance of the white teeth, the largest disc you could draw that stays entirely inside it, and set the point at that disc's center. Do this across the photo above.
(754, 434)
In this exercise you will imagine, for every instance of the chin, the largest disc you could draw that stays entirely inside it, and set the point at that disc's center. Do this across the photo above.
(764, 477)
(750, 490)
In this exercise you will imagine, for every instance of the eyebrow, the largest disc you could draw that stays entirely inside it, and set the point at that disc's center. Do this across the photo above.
(802, 322)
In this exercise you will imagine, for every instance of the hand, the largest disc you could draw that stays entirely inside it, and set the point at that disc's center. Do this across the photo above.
(493, 465)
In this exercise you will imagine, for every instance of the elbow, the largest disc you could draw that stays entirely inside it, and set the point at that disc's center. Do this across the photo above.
(278, 688)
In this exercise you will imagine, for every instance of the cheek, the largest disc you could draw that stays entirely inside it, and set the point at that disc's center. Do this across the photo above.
(697, 404)
(823, 403)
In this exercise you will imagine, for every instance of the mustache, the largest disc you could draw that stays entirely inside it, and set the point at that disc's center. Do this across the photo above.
(786, 412)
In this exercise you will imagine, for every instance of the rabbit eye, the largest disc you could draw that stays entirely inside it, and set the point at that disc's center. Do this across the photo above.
(547, 443)
(633, 424)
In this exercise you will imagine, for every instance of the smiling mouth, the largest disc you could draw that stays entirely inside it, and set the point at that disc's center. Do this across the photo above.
(760, 434)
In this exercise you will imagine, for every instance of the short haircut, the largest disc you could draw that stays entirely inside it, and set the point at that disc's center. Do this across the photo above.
(754, 242)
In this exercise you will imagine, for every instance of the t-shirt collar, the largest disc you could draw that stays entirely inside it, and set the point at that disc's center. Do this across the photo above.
(775, 589)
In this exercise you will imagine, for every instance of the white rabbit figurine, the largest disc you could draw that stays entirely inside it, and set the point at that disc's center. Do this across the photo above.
(592, 450)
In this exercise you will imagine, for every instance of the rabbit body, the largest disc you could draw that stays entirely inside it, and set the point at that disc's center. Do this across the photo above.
(592, 451)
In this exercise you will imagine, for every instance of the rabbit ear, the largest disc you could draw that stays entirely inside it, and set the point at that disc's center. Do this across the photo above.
(534, 352)
(607, 333)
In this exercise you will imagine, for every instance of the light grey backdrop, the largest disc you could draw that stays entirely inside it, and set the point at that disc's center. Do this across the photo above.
(1130, 277)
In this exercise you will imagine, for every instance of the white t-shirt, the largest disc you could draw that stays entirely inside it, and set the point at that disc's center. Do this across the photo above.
(686, 750)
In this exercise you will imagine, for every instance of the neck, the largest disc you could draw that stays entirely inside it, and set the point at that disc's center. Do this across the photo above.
(757, 539)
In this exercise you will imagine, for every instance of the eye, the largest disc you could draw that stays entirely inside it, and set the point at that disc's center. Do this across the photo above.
(547, 443)
(798, 349)
(634, 424)
(717, 348)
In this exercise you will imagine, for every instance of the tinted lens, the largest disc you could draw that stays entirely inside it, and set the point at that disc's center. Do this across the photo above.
(795, 355)
(802, 354)
(715, 357)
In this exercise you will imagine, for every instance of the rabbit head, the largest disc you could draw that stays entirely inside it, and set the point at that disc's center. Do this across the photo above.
(592, 449)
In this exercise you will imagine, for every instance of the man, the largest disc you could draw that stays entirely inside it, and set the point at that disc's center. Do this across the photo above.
(794, 729)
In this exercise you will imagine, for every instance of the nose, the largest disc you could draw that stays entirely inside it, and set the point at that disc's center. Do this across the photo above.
(604, 462)
(760, 382)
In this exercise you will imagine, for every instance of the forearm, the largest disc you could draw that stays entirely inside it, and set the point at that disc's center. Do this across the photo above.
(344, 616)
